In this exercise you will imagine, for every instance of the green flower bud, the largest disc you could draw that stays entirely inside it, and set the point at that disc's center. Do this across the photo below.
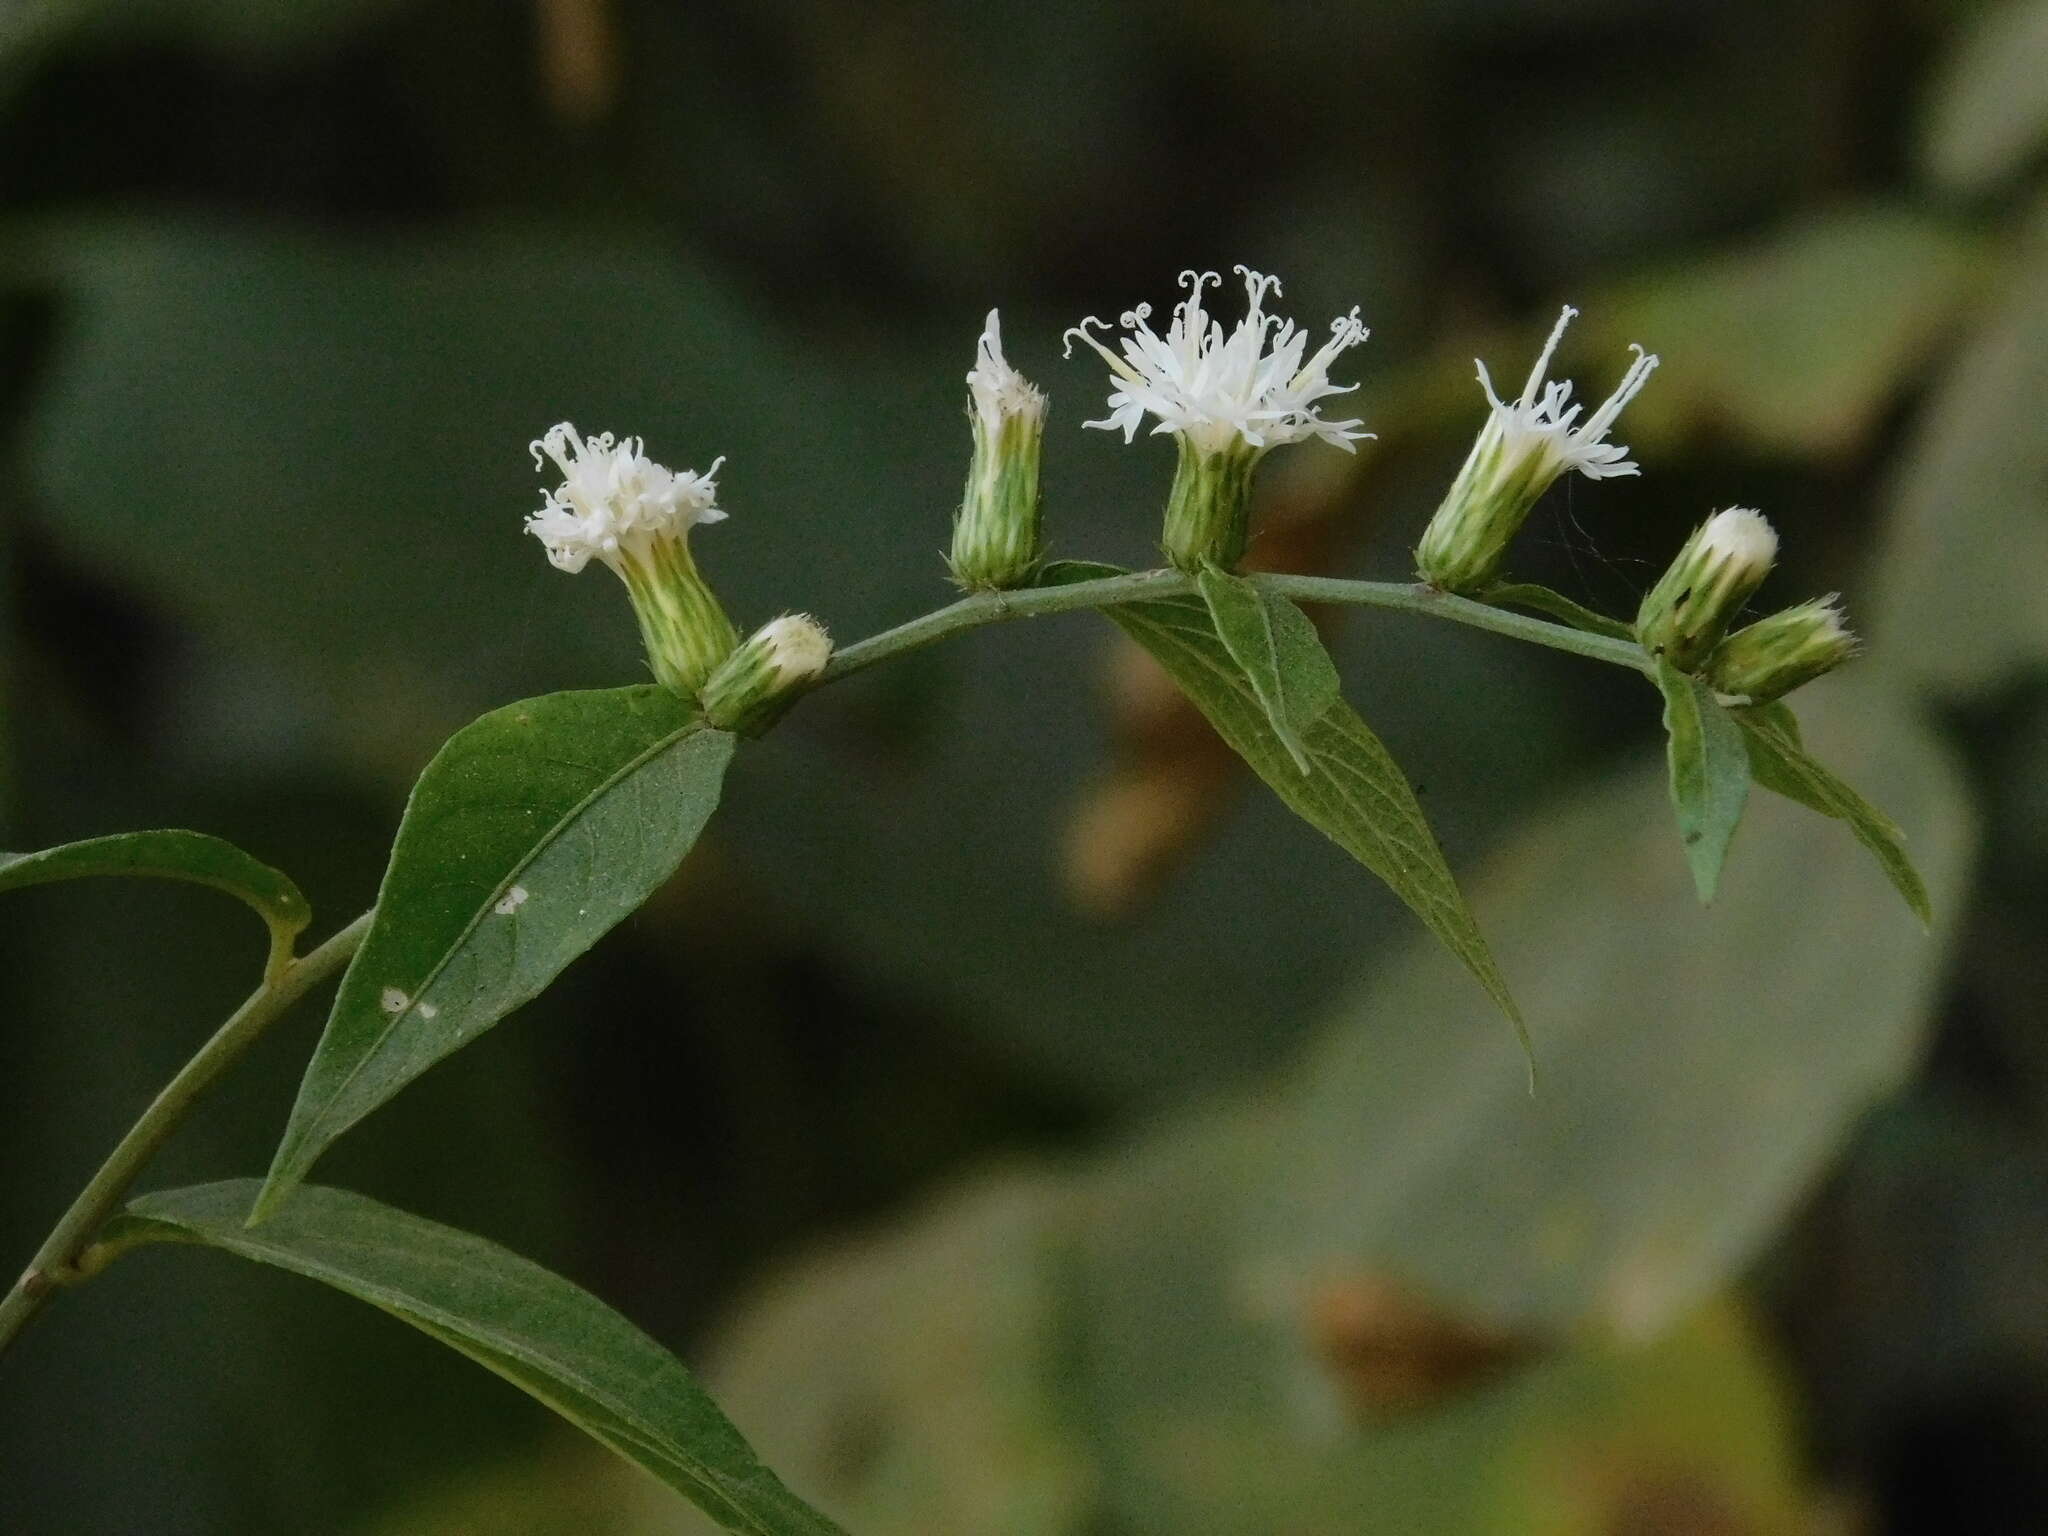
(996, 538)
(757, 682)
(1723, 562)
(1768, 659)
(617, 505)
(1518, 455)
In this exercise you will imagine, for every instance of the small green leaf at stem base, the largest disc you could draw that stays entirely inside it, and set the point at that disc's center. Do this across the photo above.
(175, 855)
(1280, 653)
(551, 1339)
(1527, 594)
(533, 831)
(1709, 773)
(1781, 764)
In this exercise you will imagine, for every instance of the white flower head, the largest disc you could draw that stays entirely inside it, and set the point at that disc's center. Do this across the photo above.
(1520, 452)
(998, 390)
(614, 502)
(1213, 387)
(1543, 425)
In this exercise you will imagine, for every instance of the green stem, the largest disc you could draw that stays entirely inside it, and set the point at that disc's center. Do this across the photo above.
(1413, 597)
(1404, 597)
(993, 607)
(57, 1262)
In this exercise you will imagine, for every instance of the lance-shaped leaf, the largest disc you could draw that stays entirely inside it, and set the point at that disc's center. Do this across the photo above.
(547, 1337)
(1354, 792)
(1280, 653)
(174, 855)
(1528, 594)
(532, 832)
(1709, 773)
(1781, 764)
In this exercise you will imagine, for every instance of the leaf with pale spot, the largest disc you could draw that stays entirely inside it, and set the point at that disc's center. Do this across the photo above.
(533, 831)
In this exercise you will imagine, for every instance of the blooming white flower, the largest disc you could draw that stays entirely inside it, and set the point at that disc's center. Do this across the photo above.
(996, 537)
(1726, 559)
(1541, 424)
(1210, 386)
(617, 505)
(1520, 452)
(614, 502)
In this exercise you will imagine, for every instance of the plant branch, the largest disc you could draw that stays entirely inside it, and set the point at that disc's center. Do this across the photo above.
(57, 1262)
(1403, 597)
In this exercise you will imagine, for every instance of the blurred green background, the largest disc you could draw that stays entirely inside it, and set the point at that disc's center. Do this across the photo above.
(1027, 1125)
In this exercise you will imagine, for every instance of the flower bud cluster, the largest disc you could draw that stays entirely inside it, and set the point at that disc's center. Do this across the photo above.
(1227, 395)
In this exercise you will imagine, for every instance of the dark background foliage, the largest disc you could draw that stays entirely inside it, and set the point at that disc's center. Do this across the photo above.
(286, 291)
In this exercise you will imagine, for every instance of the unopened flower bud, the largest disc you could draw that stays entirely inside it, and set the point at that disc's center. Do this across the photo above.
(761, 679)
(996, 538)
(1518, 455)
(618, 505)
(1723, 562)
(1768, 659)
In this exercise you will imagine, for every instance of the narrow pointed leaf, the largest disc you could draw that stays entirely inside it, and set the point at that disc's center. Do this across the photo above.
(173, 855)
(1527, 594)
(1354, 793)
(1781, 764)
(1281, 655)
(1709, 773)
(549, 1338)
(534, 831)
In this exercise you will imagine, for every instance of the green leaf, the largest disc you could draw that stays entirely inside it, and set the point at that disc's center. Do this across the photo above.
(174, 855)
(1528, 594)
(1703, 1066)
(531, 833)
(1797, 342)
(1989, 104)
(1354, 792)
(1956, 605)
(1781, 764)
(1280, 653)
(549, 1338)
(1709, 773)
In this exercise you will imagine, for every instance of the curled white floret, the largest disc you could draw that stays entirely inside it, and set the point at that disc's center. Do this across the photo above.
(998, 390)
(614, 503)
(1544, 423)
(1213, 387)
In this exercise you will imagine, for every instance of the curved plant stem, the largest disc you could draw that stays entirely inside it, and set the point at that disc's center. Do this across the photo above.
(67, 1255)
(993, 607)
(1413, 597)
(1404, 597)
(57, 1262)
